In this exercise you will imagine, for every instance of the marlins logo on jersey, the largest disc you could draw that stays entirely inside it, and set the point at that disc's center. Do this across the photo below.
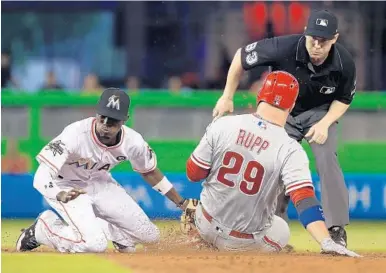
(85, 155)
(56, 147)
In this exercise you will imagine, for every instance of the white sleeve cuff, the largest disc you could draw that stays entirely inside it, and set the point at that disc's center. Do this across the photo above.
(298, 185)
(200, 163)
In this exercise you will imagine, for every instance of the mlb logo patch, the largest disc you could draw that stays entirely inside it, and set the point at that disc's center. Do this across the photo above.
(327, 90)
(262, 125)
(322, 22)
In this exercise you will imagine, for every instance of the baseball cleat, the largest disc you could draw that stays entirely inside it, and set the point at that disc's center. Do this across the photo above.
(27, 240)
(123, 249)
(288, 248)
(338, 235)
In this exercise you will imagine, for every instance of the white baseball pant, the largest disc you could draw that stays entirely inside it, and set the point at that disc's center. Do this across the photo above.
(105, 212)
(273, 239)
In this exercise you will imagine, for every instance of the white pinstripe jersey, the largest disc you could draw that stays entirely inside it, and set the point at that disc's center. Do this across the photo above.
(251, 161)
(77, 154)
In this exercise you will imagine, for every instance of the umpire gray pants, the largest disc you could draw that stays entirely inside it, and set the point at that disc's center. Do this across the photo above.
(334, 193)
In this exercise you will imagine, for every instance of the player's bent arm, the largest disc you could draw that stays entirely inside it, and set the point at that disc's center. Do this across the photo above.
(160, 183)
(336, 111)
(200, 161)
(311, 216)
(194, 172)
(43, 182)
(310, 213)
(265, 52)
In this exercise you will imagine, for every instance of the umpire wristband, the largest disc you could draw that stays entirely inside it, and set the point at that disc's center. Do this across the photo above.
(164, 186)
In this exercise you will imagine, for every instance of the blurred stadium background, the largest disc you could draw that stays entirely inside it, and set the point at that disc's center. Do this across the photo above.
(172, 58)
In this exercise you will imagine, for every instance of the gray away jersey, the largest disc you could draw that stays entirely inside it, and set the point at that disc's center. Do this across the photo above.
(250, 162)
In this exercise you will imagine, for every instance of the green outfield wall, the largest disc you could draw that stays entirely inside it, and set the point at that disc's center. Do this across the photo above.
(355, 157)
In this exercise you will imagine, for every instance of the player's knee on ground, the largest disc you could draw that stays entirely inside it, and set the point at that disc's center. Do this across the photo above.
(153, 236)
(96, 244)
(149, 234)
(282, 231)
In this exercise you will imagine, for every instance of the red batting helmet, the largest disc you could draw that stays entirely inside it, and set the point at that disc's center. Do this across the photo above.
(279, 89)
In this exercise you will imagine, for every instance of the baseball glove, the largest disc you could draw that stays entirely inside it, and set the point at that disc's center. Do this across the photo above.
(187, 218)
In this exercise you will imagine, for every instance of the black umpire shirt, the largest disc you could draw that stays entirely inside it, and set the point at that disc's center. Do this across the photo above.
(320, 85)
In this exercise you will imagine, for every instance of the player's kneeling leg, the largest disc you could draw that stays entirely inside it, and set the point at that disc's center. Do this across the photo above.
(126, 233)
(125, 241)
(277, 236)
(149, 233)
(54, 233)
(203, 227)
(82, 233)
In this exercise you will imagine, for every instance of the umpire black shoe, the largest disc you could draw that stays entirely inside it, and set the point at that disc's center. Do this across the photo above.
(338, 235)
(27, 240)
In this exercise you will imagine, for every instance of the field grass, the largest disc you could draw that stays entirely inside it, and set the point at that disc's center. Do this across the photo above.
(363, 237)
(58, 263)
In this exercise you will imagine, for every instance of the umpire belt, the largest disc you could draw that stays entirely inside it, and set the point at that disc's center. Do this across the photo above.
(233, 233)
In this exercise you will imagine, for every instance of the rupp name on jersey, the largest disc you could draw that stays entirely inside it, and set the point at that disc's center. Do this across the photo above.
(239, 195)
(246, 138)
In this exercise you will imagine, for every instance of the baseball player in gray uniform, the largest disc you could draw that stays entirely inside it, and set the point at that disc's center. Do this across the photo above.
(326, 74)
(247, 161)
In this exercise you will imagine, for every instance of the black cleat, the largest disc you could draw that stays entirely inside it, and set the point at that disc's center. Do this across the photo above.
(119, 246)
(123, 249)
(27, 240)
(338, 235)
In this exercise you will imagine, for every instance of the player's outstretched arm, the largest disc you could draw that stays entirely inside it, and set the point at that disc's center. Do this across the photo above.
(160, 183)
(311, 216)
(296, 177)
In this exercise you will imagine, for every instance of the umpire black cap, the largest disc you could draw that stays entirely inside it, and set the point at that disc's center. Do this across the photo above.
(322, 23)
(114, 103)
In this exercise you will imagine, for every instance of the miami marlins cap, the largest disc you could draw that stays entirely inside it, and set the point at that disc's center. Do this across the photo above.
(114, 103)
(322, 23)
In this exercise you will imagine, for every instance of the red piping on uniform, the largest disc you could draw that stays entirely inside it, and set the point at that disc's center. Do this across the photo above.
(48, 162)
(63, 238)
(60, 237)
(268, 241)
(200, 161)
(299, 184)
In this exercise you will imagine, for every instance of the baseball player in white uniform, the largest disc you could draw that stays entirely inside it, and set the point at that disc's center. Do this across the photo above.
(246, 161)
(74, 178)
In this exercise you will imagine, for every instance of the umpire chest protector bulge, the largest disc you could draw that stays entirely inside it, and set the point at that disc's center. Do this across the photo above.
(333, 80)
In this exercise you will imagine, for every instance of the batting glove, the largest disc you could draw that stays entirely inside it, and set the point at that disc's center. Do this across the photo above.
(330, 247)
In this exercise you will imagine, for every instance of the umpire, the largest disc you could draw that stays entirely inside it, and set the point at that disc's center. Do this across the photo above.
(326, 73)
